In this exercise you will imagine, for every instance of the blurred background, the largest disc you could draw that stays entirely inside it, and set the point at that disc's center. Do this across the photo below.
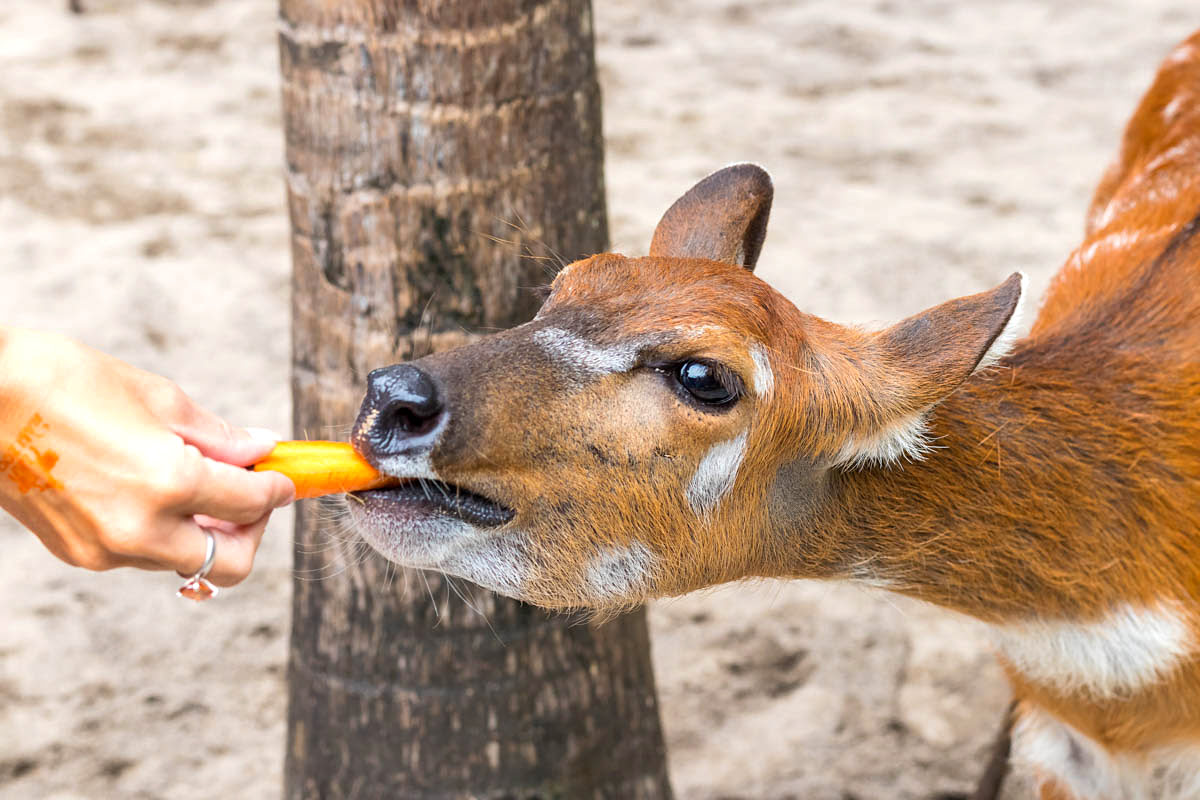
(920, 150)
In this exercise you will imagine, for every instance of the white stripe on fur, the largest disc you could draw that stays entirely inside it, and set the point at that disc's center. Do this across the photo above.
(1131, 648)
(716, 474)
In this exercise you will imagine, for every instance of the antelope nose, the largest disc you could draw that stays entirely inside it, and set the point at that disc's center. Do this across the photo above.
(400, 415)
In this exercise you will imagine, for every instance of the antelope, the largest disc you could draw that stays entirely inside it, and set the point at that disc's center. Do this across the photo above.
(671, 422)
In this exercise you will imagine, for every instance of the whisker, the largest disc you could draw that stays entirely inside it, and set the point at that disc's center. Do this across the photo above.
(436, 611)
(462, 596)
(361, 552)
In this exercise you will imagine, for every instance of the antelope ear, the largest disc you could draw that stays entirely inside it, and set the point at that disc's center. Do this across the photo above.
(942, 346)
(923, 359)
(721, 218)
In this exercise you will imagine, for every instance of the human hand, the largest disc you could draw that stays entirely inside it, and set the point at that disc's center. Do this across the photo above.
(111, 466)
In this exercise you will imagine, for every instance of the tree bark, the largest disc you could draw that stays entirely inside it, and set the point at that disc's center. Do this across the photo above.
(438, 151)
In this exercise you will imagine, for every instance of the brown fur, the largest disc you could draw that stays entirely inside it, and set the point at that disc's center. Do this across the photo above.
(1065, 480)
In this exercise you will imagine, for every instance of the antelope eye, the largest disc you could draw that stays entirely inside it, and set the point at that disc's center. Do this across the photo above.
(704, 382)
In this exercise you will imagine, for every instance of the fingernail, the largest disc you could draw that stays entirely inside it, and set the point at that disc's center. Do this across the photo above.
(263, 435)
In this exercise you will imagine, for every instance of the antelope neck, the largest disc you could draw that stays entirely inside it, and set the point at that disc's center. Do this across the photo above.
(1013, 515)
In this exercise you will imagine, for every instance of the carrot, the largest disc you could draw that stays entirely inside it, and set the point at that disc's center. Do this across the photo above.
(319, 468)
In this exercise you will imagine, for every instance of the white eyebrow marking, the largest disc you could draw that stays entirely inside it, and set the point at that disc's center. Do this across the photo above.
(764, 378)
(575, 351)
(716, 474)
(1127, 650)
(697, 331)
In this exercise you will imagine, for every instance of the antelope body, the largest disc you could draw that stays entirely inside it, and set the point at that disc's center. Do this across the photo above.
(671, 422)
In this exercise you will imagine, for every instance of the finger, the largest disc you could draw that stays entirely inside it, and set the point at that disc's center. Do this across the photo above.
(244, 543)
(237, 495)
(234, 554)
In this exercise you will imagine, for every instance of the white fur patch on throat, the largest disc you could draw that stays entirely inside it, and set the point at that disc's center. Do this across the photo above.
(1055, 752)
(1130, 649)
(907, 437)
(619, 573)
(1002, 345)
(716, 474)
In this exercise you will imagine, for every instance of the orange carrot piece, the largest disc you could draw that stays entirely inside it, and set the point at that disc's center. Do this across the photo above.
(319, 468)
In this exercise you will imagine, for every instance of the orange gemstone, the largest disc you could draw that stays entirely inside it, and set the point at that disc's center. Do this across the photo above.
(197, 589)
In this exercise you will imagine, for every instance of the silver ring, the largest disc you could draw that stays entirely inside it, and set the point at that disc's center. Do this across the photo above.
(198, 587)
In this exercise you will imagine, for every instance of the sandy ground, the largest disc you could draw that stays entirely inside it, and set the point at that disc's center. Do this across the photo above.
(921, 150)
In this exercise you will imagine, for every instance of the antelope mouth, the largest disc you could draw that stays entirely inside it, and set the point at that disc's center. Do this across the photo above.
(420, 497)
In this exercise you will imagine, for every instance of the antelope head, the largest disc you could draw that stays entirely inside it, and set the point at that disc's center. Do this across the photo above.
(664, 423)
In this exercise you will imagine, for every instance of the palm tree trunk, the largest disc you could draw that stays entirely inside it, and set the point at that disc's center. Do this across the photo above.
(433, 146)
